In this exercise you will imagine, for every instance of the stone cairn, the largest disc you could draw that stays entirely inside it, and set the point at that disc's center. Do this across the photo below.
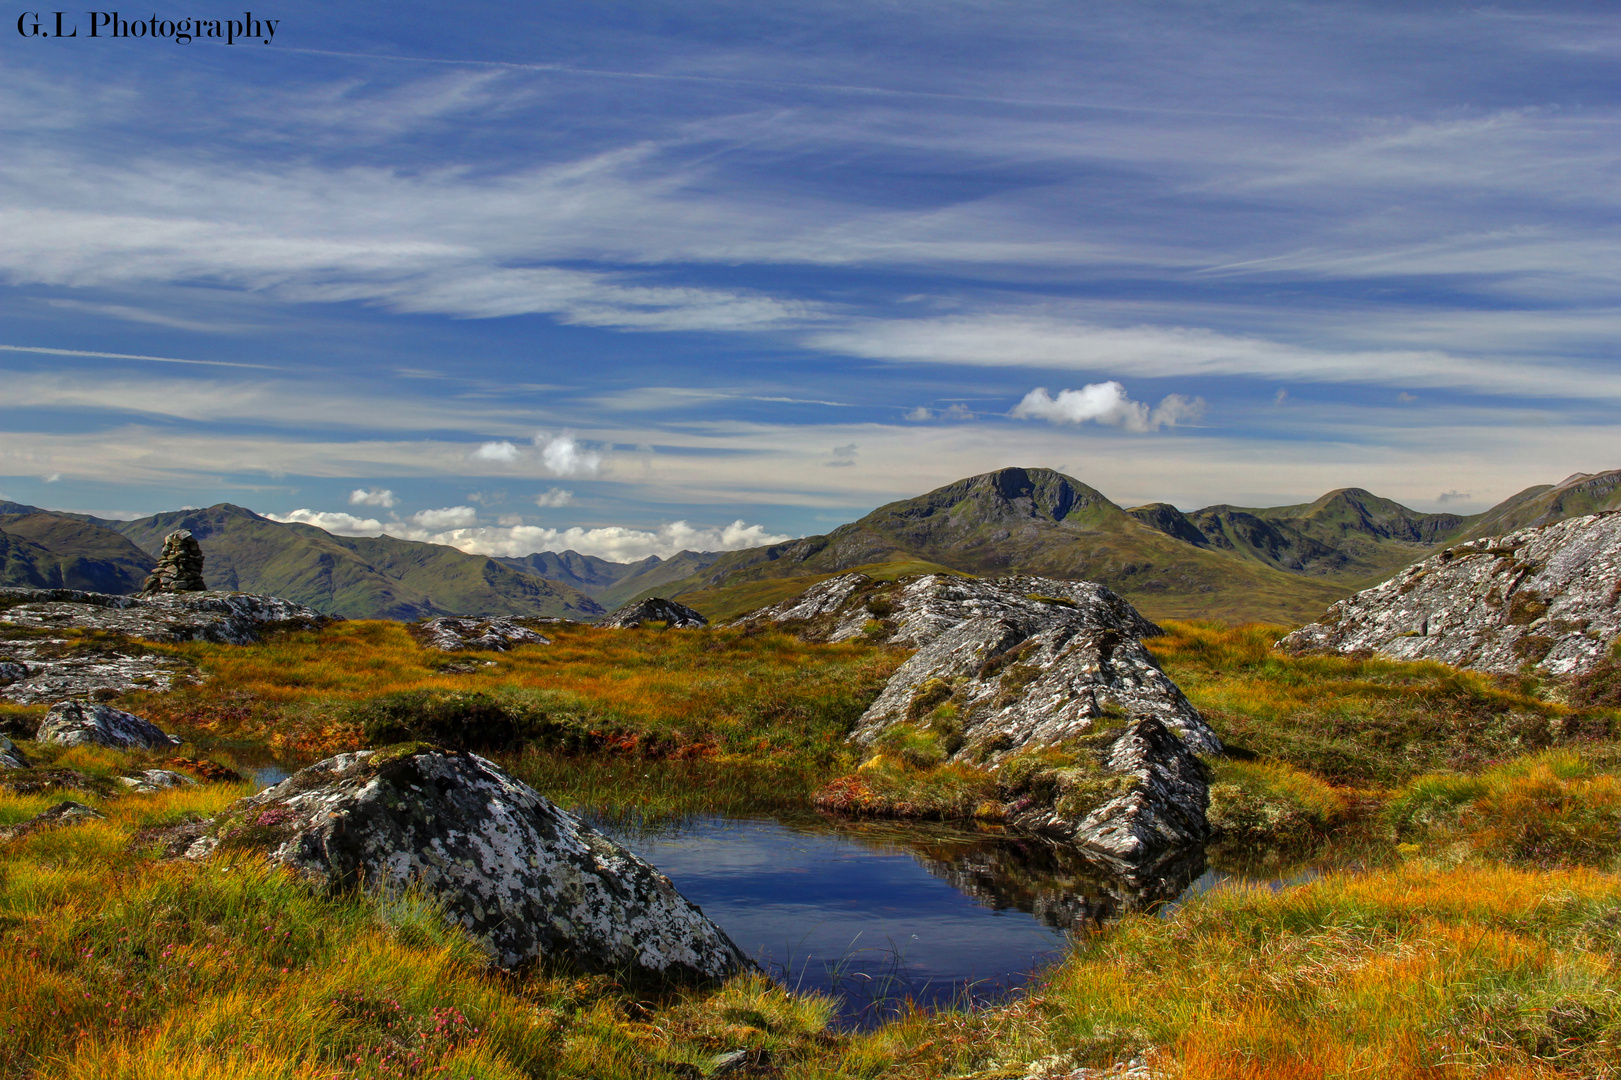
(179, 568)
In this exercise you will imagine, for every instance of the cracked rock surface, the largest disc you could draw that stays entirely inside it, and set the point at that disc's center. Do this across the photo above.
(1014, 664)
(1545, 599)
(525, 878)
(452, 633)
(654, 609)
(10, 756)
(60, 643)
(1025, 661)
(82, 723)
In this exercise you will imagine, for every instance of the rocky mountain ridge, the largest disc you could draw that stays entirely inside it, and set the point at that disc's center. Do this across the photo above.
(1227, 562)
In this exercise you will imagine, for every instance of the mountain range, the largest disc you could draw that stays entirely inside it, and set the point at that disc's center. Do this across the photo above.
(1279, 564)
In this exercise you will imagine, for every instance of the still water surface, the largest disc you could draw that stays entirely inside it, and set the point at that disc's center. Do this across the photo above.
(880, 914)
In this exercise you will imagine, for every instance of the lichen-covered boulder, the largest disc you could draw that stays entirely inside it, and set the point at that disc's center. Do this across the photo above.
(1547, 599)
(450, 633)
(1011, 668)
(655, 609)
(83, 723)
(12, 671)
(526, 879)
(1005, 664)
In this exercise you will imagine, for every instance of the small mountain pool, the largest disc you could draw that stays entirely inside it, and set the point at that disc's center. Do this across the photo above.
(880, 914)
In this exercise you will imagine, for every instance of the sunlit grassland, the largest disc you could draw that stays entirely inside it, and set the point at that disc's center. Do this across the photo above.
(757, 694)
(1358, 720)
(1465, 919)
(119, 965)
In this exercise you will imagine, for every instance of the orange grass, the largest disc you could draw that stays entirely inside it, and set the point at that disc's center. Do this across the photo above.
(1358, 720)
(1409, 972)
(752, 691)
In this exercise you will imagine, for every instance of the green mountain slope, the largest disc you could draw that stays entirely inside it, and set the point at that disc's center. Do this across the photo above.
(25, 564)
(1584, 493)
(1034, 521)
(357, 577)
(1349, 536)
(78, 554)
(609, 583)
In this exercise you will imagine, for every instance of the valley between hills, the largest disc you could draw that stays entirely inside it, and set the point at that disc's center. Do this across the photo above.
(1282, 564)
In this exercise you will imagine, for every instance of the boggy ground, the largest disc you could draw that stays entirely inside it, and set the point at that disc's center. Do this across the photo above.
(1464, 918)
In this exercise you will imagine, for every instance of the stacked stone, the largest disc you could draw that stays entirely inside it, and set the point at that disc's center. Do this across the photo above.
(180, 567)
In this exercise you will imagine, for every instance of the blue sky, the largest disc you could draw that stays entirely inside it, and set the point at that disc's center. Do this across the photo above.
(635, 277)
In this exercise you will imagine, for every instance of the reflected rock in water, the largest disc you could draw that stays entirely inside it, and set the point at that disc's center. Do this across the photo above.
(1060, 884)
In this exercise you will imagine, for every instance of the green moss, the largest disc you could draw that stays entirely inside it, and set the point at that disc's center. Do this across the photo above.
(932, 693)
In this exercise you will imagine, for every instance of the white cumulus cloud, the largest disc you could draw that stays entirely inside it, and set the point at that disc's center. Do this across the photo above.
(448, 517)
(502, 452)
(336, 523)
(1107, 403)
(615, 543)
(368, 497)
(554, 497)
(565, 456)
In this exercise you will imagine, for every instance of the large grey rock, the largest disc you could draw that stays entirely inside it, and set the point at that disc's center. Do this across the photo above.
(915, 611)
(452, 633)
(180, 566)
(63, 813)
(1545, 599)
(655, 609)
(62, 664)
(1023, 661)
(10, 756)
(1013, 665)
(526, 879)
(81, 723)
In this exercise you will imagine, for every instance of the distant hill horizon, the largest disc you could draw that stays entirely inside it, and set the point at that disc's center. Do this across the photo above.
(1277, 564)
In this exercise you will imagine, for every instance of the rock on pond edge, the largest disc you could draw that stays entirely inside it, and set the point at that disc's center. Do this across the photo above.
(525, 878)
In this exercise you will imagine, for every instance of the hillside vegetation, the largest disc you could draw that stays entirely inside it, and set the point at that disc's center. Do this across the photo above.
(1455, 839)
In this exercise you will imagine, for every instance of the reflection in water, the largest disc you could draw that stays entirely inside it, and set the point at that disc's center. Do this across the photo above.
(882, 914)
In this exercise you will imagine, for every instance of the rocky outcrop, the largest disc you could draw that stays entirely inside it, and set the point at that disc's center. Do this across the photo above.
(454, 634)
(526, 879)
(1545, 600)
(148, 781)
(1020, 661)
(43, 635)
(63, 813)
(674, 616)
(1012, 666)
(10, 756)
(79, 723)
(225, 618)
(1148, 809)
(180, 565)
